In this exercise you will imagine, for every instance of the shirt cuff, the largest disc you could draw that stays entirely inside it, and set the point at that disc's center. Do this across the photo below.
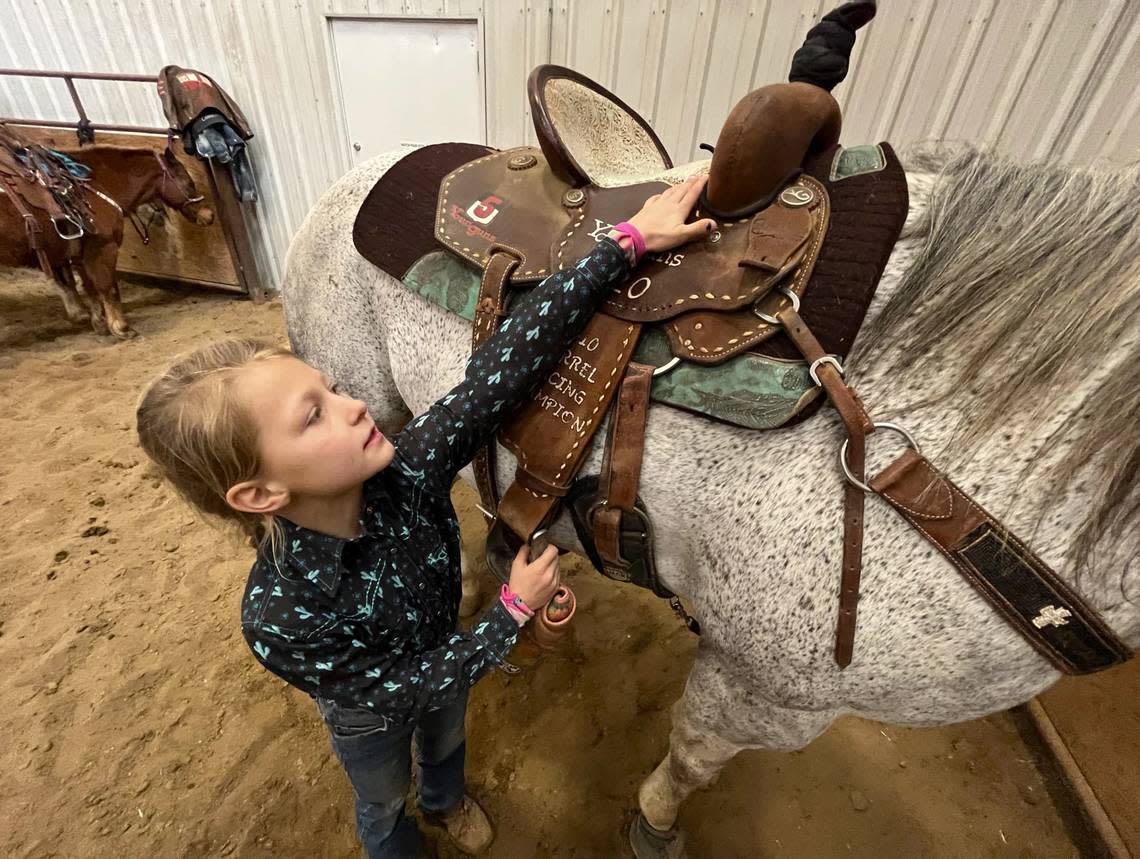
(498, 630)
(613, 249)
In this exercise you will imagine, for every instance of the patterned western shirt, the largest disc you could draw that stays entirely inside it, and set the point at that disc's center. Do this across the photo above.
(371, 621)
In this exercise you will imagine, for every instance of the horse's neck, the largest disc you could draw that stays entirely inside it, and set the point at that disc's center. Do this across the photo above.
(1009, 471)
(126, 176)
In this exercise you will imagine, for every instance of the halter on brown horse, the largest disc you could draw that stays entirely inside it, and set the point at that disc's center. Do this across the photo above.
(122, 179)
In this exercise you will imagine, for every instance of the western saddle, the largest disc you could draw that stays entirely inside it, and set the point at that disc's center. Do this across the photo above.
(42, 183)
(523, 213)
(806, 228)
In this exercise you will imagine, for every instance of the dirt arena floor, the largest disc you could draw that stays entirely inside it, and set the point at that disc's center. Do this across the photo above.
(134, 722)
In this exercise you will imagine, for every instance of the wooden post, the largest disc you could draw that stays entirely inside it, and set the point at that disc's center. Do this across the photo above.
(233, 225)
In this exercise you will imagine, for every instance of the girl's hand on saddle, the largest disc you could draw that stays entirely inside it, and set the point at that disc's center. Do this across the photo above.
(535, 581)
(662, 218)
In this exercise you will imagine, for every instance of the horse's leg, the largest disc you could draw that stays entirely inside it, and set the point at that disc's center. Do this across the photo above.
(711, 723)
(98, 314)
(63, 278)
(101, 282)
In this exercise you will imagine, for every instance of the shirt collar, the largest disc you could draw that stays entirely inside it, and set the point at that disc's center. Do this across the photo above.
(316, 557)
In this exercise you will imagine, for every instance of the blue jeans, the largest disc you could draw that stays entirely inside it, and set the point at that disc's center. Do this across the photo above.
(378, 759)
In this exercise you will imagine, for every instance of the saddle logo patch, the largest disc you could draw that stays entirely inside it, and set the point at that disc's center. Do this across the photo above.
(480, 212)
(484, 211)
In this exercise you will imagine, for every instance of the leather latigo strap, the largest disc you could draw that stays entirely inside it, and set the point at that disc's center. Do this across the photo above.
(1046, 611)
(845, 400)
(551, 433)
(859, 425)
(490, 307)
(853, 504)
(621, 468)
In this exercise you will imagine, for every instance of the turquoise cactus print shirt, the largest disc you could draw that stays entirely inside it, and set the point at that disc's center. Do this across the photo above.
(371, 621)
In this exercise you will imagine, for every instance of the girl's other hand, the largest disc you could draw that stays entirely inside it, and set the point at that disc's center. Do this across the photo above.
(662, 218)
(535, 581)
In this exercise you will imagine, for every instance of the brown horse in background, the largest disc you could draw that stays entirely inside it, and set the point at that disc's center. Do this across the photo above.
(122, 179)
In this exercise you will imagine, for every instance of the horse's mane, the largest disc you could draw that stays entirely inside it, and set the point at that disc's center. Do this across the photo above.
(1031, 272)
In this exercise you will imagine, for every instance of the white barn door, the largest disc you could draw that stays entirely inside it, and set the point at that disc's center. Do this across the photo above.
(408, 81)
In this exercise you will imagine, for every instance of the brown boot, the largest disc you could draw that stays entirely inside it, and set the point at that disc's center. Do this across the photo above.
(467, 826)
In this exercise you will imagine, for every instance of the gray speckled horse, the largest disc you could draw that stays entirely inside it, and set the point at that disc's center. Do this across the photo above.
(1004, 335)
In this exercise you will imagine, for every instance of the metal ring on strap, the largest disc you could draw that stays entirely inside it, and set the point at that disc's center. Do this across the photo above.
(667, 366)
(833, 360)
(843, 452)
(772, 320)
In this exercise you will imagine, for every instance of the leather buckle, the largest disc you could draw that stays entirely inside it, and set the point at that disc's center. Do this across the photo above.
(645, 534)
(833, 360)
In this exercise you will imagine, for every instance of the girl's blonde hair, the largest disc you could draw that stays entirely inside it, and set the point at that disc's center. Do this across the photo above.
(201, 437)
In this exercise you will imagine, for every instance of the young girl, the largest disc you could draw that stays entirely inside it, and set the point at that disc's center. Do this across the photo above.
(354, 595)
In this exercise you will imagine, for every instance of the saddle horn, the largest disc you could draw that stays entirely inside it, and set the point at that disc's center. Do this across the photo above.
(772, 129)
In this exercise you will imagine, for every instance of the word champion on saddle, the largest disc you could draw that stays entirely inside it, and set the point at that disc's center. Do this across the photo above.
(64, 211)
(750, 328)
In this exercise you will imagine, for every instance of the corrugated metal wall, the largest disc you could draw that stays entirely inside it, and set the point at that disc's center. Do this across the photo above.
(1034, 78)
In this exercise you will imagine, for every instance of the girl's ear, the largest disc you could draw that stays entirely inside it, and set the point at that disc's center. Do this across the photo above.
(254, 496)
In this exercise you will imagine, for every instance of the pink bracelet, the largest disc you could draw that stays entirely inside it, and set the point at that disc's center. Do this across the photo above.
(513, 600)
(635, 236)
(626, 244)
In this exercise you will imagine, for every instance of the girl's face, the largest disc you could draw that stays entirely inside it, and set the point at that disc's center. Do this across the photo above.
(313, 441)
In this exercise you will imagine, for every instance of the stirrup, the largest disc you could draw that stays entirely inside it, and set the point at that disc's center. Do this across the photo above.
(67, 238)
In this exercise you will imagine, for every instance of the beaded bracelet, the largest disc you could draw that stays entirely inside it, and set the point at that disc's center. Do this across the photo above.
(635, 236)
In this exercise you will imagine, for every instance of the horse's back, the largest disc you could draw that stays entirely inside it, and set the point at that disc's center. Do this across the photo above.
(333, 297)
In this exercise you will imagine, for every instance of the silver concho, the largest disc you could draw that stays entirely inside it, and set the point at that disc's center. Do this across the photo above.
(796, 195)
(521, 162)
(573, 198)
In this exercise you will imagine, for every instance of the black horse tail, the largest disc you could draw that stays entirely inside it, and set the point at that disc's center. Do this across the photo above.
(822, 59)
